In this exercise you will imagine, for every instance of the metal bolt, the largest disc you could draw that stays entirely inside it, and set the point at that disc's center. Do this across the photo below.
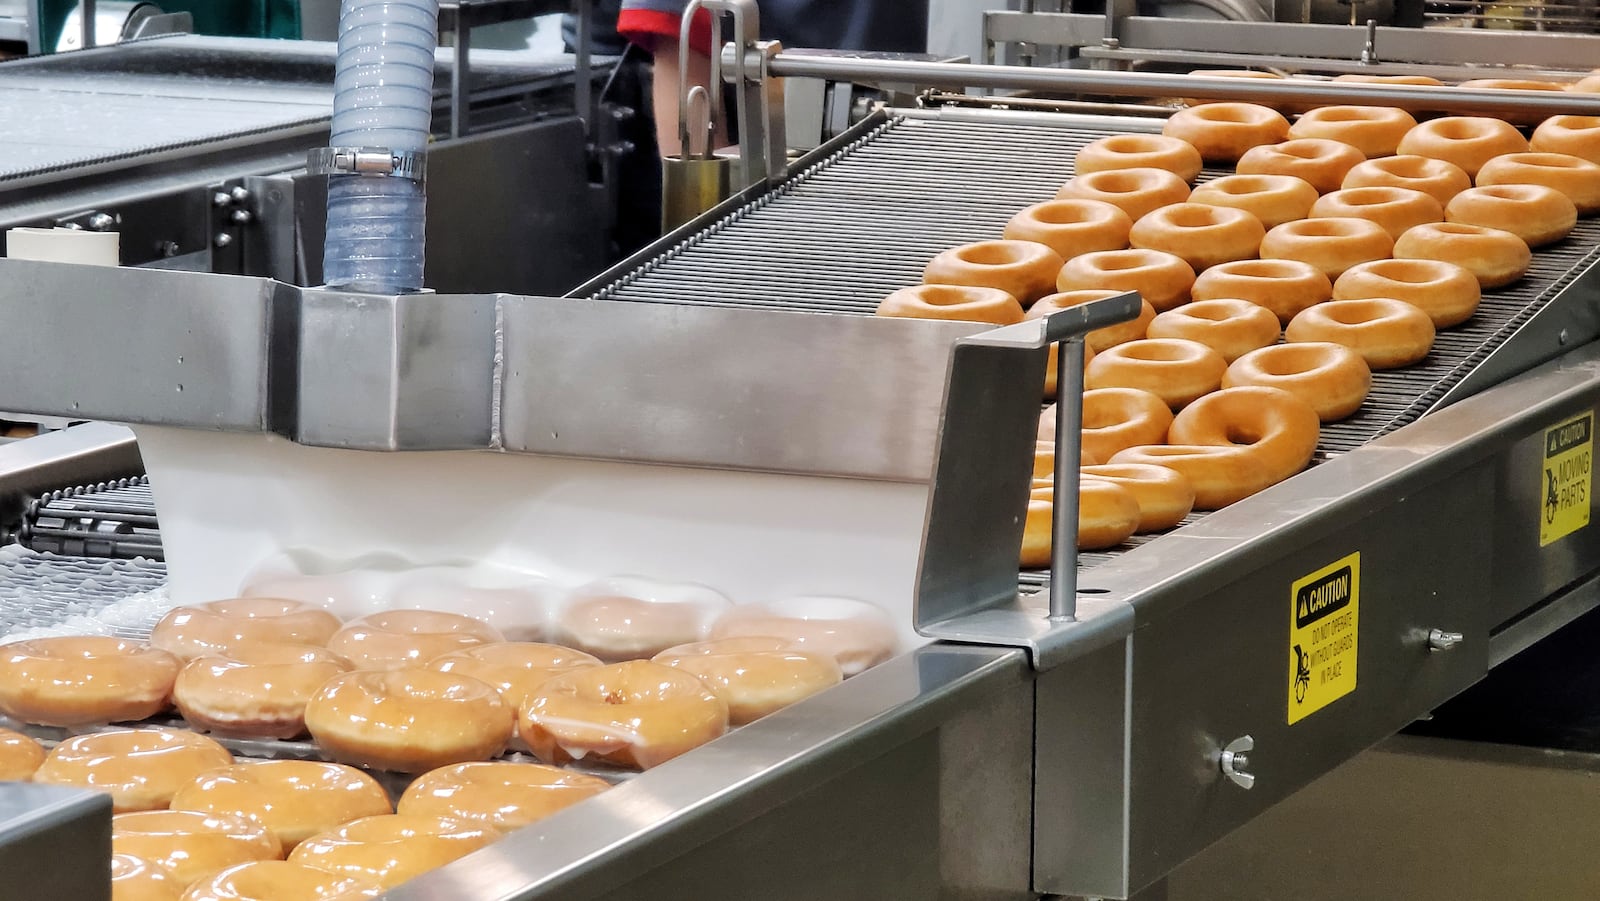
(242, 217)
(168, 248)
(1110, 43)
(1563, 337)
(240, 194)
(100, 222)
(222, 239)
(1440, 640)
(221, 199)
(622, 113)
(1234, 762)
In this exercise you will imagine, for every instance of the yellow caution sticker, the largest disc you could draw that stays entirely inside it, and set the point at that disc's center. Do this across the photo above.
(1324, 614)
(1568, 478)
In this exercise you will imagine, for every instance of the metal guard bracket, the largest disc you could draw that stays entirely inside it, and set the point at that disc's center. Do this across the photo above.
(368, 161)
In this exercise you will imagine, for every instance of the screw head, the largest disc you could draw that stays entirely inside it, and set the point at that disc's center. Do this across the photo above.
(240, 194)
(221, 199)
(242, 217)
(222, 239)
(102, 222)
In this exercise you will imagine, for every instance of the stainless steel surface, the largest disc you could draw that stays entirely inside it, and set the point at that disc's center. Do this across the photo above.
(1234, 761)
(55, 841)
(1064, 496)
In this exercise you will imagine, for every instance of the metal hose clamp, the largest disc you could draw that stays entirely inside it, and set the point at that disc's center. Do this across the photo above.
(369, 161)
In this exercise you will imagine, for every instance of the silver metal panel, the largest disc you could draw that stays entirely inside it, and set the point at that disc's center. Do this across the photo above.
(842, 395)
(54, 842)
(93, 452)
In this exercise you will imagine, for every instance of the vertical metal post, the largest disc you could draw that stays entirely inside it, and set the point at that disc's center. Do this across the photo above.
(86, 17)
(1064, 491)
(581, 62)
(461, 72)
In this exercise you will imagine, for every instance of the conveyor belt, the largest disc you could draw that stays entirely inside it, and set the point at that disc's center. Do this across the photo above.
(110, 520)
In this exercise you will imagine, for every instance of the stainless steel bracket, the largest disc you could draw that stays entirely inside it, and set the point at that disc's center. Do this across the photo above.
(746, 63)
(368, 161)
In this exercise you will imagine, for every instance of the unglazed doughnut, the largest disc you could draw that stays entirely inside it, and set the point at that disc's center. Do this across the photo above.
(1424, 80)
(397, 638)
(137, 879)
(1285, 287)
(628, 618)
(1332, 245)
(1133, 191)
(1467, 141)
(254, 689)
(636, 714)
(280, 880)
(1577, 178)
(1223, 132)
(20, 756)
(1373, 130)
(1387, 333)
(191, 845)
(189, 632)
(754, 674)
(1162, 279)
(1115, 419)
(1164, 496)
(856, 634)
(1439, 179)
(1332, 378)
(1534, 213)
(1396, 209)
(1446, 292)
(1577, 136)
(1108, 514)
(1139, 151)
(1174, 370)
(1497, 257)
(1273, 199)
(1199, 234)
(80, 681)
(1229, 73)
(1588, 84)
(1513, 84)
(392, 848)
(1100, 338)
(139, 768)
(1070, 227)
(1321, 163)
(516, 668)
(293, 799)
(505, 796)
(1229, 326)
(962, 303)
(1024, 269)
(409, 720)
(1235, 442)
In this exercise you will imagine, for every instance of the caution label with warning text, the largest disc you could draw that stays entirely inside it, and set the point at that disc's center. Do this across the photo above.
(1568, 478)
(1324, 627)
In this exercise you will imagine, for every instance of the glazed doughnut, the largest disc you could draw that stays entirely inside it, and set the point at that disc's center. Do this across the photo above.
(190, 845)
(292, 799)
(504, 796)
(1133, 191)
(1199, 234)
(1162, 279)
(1273, 199)
(1100, 338)
(1577, 136)
(1024, 269)
(81, 681)
(1332, 245)
(1497, 257)
(1229, 326)
(1578, 179)
(408, 720)
(1223, 132)
(1439, 179)
(254, 690)
(1108, 514)
(1423, 80)
(636, 714)
(856, 634)
(1236, 442)
(1396, 209)
(1387, 333)
(1174, 370)
(1448, 293)
(392, 848)
(1534, 213)
(137, 879)
(280, 880)
(1467, 141)
(1070, 227)
(962, 303)
(1138, 151)
(1284, 287)
(397, 638)
(20, 756)
(1321, 163)
(1164, 496)
(753, 674)
(629, 618)
(1118, 418)
(1373, 130)
(1332, 378)
(189, 632)
(139, 768)
(516, 668)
